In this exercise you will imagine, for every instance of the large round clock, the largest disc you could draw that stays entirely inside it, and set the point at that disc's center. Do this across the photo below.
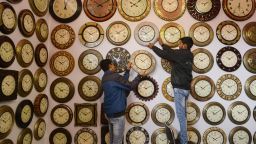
(167, 89)
(42, 30)
(63, 36)
(7, 51)
(214, 135)
(90, 88)
(60, 136)
(193, 113)
(41, 55)
(162, 114)
(40, 79)
(249, 87)
(249, 60)
(137, 135)
(6, 120)
(137, 113)
(203, 60)
(194, 135)
(8, 19)
(239, 112)
(85, 136)
(24, 53)
(26, 82)
(39, 7)
(65, 11)
(26, 23)
(61, 115)
(249, 33)
(214, 113)
(24, 113)
(146, 89)
(240, 135)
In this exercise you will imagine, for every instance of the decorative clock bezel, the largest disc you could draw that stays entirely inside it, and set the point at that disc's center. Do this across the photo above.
(160, 106)
(249, 33)
(36, 127)
(165, 89)
(150, 97)
(196, 132)
(211, 60)
(206, 107)
(236, 129)
(14, 75)
(71, 37)
(68, 109)
(249, 60)
(129, 119)
(230, 108)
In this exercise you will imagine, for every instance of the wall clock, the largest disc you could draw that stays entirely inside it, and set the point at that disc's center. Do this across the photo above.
(201, 33)
(118, 33)
(91, 34)
(90, 88)
(239, 10)
(202, 88)
(137, 113)
(8, 19)
(162, 114)
(143, 61)
(41, 55)
(6, 120)
(193, 113)
(14, 1)
(239, 135)
(166, 65)
(249, 33)
(86, 135)
(137, 135)
(228, 59)
(194, 135)
(24, 113)
(86, 114)
(146, 89)
(249, 87)
(26, 82)
(63, 36)
(41, 105)
(134, 10)
(100, 10)
(60, 136)
(239, 112)
(171, 33)
(145, 33)
(61, 115)
(6, 141)
(39, 7)
(26, 23)
(39, 129)
(214, 113)
(203, 10)
(40, 79)
(228, 32)
(9, 85)
(66, 11)
(120, 57)
(25, 136)
(105, 136)
(214, 135)
(229, 87)
(62, 63)
(89, 60)
(24, 53)
(42, 30)
(203, 60)
(159, 136)
(167, 89)
(249, 60)
(169, 10)
(62, 90)
(7, 51)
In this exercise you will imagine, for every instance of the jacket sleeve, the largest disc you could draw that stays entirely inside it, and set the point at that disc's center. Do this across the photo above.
(166, 53)
(125, 83)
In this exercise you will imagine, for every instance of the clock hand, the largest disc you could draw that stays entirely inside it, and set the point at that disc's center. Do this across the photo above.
(65, 4)
(98, 4)
(103, 2)
(170, 3)
(214, 113)
(204, 3)
(135, 4)
(118, 32)
(241, 111)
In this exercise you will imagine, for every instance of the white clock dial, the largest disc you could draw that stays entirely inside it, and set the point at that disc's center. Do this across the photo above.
(134, 7)
(163, 115)
(62, 36)
(146, 88)
(90, 61)
(6, 51)
(169, 89)
(241, 137)
(214, 113)
(201, 33)
(201, 60)
(61, 115)
(61, 63)
(65, 8)
(143, 61)
(193, 137)
(252, 88)
(146, 33)
(203, 88)
(61, 90)
(41, 5)
(26, 114)
(229, 32)
(137, 114)
(229, 87)
(203, 6)
(8, 18)
(85, 138)
(8, 85)
(91, 34)
(137, 137)
(60, 138)
(90, 88)
(215, 137)
(191, 113)
(161, 139)
(118, 32)
(27, 53)
(85, 115)
(239, 113)
(170, 5)
(43, 105)
(172, 34)
(5, 122)
(229, 59)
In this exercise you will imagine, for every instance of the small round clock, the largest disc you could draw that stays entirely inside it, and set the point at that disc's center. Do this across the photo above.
(61, 115)
(249, 60)
(42, 30)
(7, 141)
(159, 136)
(26, 23)
(6, 120)
(65, 11)
(41, 55)
(118, 33)
(86, 136)
(145, 33)
(240, 135)
(137, 113)
(90, 88)
(24, 113)
(194, 135)
(39, 129)
(62, 90)
(9, 84)
(162, 114)
(146, 89)
(63, 36)
(25, 136)
(214, 113)
(40, 79)
(25, 53)
(229, 59)
(100, 10)
(166, 65)
(39, 7)
(41, 105)
(134, 10)
(169, 10)
(249, 33)
(8, 19)
(167, 89)
(86, 114)
(239, 112)
(60, 136)
(137, 135)
(203, 60)
(193, 113)
(26, 82)
(119, 57)
(214, 135)
(7, 51)
(249, 87)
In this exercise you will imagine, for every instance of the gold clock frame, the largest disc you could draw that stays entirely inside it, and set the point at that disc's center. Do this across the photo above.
(144, 106)
(211, 60)
(159, 106)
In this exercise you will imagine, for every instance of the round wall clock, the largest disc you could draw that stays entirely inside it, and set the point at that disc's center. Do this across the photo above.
(194, 135)
(41, 55)
(24, 53)
(118, 33)
(249, 33)
(137, 135)
(63, 36)
(214, 135)
(89, 61)
(143, 62)
(6, 120)
(229, 87)
(120, 57)
(162, 114)
(86, 136)
(249, 60)
(193, 113)
(62, 90)
(159, 136)
(42, 30)
(26, 82)
(61, 115)
(65, 11)
(39, 7)
(24, 113)
(7, 141)
(62, 63)
(249, 87)
(229, 59)
(9, 85)
(145, 33)
(239, 10)
(166, 65)
(146, 89)
(203, 60)
(41, 105)
(25, 136)
(171, 33)
(214, 113)
(90, 88)
(201, 33)
(134, 10)
(8, 19)
(228, 32)
(202, 88)
(26, 23)
(86, 114)
(137, 113)
(40, 79)
(100, 10)
(239, 112)
(60, 136)
(167, 89)
(239, 135)
(39, 129)
(169, 10)
(7, 51)
(91, 34)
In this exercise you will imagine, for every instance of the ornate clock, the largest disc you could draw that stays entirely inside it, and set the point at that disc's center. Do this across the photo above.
(86, 114)
(39, 7)
(61, 115)
(7, 141)
(24, 113)
(63, 36)
(167, 89)
(214, 113)
(7, 51)
(41, 55)
(239, 112)
(40, 79)
(239, 135)
(24, 53)
(9, 85)
(42, 30)
(6, 120)
(89, 88)
(166, 65)
(146, 89)
(8, 19)
(145, 33)
(25, 136)
(193, 113)
(26, 82)
(26, 23)
(159, 136)
(137, 113)
(249, 87)
(137, 135)
(194, 135)
(162, 114)
(203, 60)
(249, 33)
(60, 136)
(39, 129)
(120, 57)
(214, 135)
(41, 105)
(85, 136)
(249, 60)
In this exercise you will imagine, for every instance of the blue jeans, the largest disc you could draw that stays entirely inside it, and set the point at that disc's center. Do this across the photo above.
(180, 98)
(116, 129)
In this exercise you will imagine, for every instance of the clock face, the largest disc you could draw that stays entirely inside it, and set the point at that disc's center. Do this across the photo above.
(8, 20)
(137, 135)
(40, 79)
(239, 112)
(90, 88)
(42, 30)
(146, 89)
(7, 51)
(63, 36)
(86, 135)
(145, 33)
(24, 53)
(6, 120)
(194, 135)
(214, 113)
(8, 85)
(60, 136)
(86, 114)
(39, 7)
(39, 129)
(137, 113)
(214, 135)
(193, 113)
(41, 105)
(203, 60)
(25, 136)
(25, 82)
(167, 89)
(249, 33)
(26, 23)
(250, 87)
(239, 135)
(61, 115)
(162, 114)
(159, 137)
(249, 60)
(228, 32)
(24, 113)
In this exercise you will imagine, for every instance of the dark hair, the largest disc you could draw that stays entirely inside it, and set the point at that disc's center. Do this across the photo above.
(104, 64)
(188, 41)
